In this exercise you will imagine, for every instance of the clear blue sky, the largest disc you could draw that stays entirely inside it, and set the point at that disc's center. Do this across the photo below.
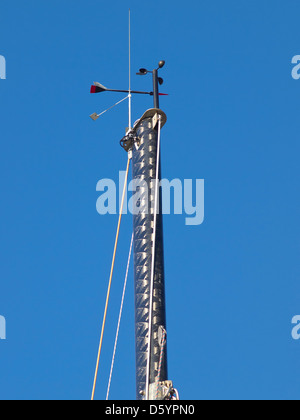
(233, 120)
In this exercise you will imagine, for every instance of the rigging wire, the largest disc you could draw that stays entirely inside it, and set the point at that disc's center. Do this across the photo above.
(116, 104)
(110, 282)
(120, 317)
(153, 259)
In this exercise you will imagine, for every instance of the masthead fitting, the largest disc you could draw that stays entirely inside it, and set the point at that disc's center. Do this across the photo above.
(156, 81)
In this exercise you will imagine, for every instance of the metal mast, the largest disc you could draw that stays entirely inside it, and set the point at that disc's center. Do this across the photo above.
(149, 275)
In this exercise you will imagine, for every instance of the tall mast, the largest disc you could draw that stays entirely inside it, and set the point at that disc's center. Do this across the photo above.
(149, 273)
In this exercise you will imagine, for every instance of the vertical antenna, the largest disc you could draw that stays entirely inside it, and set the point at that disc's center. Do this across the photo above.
(129, 96)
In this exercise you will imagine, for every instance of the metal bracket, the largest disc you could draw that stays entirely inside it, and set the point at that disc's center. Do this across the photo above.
(154, 114)
(161, 391)
(154, 120)
(162, 334)
(129, 140)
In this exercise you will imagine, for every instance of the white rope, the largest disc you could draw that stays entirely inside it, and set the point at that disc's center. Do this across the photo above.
(153, 259)
(119, 321)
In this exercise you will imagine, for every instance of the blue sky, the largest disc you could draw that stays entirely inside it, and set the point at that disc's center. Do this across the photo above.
(233, 120)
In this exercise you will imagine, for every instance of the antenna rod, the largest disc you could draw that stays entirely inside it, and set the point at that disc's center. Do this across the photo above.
(129, 96)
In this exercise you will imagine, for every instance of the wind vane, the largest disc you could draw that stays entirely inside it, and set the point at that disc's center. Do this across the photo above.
(99, 88)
